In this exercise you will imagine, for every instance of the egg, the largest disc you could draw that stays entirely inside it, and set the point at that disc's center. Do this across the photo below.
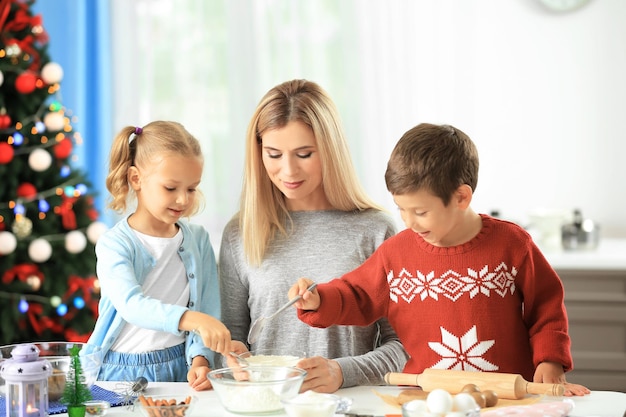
(464, 402)
(439, 401)
(491, 398)
(414, 408)
(470, 388)
(479, 397)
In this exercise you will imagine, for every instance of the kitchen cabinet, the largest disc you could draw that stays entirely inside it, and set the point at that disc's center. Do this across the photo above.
(595, 299)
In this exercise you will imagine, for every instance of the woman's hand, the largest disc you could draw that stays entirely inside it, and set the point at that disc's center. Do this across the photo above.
(238, 348)
(322, 375)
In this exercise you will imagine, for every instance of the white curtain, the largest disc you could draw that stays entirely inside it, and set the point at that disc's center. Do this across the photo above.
(533, 88)
(208, 63)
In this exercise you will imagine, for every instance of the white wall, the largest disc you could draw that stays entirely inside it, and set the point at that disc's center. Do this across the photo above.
(542, 94)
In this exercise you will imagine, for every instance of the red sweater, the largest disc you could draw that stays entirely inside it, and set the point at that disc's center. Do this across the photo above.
(491, 304)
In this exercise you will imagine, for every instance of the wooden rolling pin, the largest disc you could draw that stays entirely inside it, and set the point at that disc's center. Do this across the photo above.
(509, 386)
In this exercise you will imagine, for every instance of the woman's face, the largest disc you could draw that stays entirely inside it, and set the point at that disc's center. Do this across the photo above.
(292, 162)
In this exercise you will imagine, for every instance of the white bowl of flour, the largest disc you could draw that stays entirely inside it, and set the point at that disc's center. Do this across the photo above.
(256, 389)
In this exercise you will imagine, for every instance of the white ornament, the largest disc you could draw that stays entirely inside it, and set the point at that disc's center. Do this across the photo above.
(52, 73)
(39, 160)
(75, 241)
(54, 121)
(1, 77)
(39, 250)
(8, 243)
(95, 230)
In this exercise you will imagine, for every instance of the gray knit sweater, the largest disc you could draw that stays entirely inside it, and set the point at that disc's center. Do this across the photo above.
(323, 245)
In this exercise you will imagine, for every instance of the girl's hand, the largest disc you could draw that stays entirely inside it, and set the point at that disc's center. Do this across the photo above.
(197, 376)
(213, 332)
(310, 299)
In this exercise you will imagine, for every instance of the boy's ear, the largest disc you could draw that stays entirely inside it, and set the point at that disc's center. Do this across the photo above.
(463, 196)
(134, 179)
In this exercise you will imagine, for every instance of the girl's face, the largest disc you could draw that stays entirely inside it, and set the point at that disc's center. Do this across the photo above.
(426, 215)
(292, 162)
(166, 190)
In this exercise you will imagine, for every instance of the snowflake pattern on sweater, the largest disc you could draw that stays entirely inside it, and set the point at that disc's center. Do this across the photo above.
(463, 353)
(452, 284)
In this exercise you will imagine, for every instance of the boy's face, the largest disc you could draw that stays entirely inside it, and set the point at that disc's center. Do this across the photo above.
(426, 215)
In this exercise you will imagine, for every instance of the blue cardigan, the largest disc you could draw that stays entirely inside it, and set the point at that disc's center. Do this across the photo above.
(122, 266)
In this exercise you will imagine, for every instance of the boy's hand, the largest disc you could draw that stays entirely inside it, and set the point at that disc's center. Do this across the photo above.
(552, 373)
(310, 299)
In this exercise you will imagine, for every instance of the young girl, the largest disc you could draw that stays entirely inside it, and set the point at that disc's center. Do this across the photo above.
(159, 308)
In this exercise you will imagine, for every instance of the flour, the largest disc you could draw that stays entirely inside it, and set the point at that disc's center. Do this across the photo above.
(273, 360)
(247, 399)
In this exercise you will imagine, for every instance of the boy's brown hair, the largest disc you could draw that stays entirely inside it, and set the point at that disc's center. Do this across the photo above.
(439, 158)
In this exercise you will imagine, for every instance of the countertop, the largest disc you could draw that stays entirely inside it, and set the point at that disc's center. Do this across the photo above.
(609, 255)
(365, 401)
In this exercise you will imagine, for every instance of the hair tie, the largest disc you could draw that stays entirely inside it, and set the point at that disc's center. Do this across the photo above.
(132, 136)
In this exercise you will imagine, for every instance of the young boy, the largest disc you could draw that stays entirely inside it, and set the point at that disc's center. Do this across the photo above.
(463, 290)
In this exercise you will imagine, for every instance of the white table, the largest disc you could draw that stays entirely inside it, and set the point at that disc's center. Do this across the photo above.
(365, 401)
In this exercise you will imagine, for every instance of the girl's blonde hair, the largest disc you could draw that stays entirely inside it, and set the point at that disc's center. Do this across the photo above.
(263, 211)
(136, 146)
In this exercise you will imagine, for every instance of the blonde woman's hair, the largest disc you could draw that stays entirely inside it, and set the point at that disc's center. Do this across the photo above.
(136, 146)
(263, 211)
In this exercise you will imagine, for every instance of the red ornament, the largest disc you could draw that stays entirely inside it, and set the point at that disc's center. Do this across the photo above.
(6, 153)
(66, 210)
(5, 120)
(25, 82)
(63, 149)
(92, 214)
(26, 190)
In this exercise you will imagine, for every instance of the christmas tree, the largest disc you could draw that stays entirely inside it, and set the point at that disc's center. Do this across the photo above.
(48, 223)
(76, 391)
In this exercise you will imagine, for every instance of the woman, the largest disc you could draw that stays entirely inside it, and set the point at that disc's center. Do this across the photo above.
(303, 212)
